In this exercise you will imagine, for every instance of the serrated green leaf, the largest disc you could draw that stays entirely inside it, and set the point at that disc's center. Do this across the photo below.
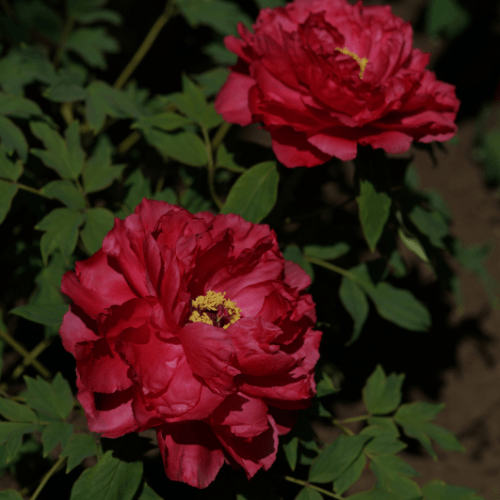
(98, 172)
(91, 44)
(53, 399)
(7, 192)
(350, 475)
(98, 222)
(16, 412)
(293, 253)
(18, 106)
(291, 448)
(66, 192)
(79, 447)
(9, 169)
(65, 92)
(61, 226)
(336, 458)
(163, 121)
(439, 490)
(50, 314)
(185, 147)
(355, 303)
(330, 252)
(220, 15)
(400, 307)
(374, 208)
(382, 394)
(254, 194)
(110, 479)
(55, 433)
(12, 138)
(309, 494)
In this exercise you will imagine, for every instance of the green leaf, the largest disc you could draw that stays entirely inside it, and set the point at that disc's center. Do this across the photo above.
(194, 202)
(382, 394)
(446, 17)
(9, 430)
(98, 222)
(384, 441)
(309, 494)
(65, 157)
(336, 458)
(432, 224)
(220, 15)
(110, 479)
(326, 386)
(55, 433)
(388, 468)
(79, 447)
(50, 314)
(7, 192)
(439, 490)
(327, 252)
(263, 4)
(148, 493)
(293, 253)
(18, 106)
(374, 209)
(101, 15)
(65, 92)
(77, 8)
(53, 399)
(385, 423)
(13, 139)
(163, 121)
(91, 44)
(291, 448)
(185, 147)
(414, 417)
(66, 192)
(219, 53)
(400, 488)
(9, 169)
(139, 189)
(61, 226)
(98, 172)
(350, 475)
(412, 244)
(212, 80)
(400, 307)
(225, 159)
(10, 495)
(16, 412)
(254, 194)
(355, 303)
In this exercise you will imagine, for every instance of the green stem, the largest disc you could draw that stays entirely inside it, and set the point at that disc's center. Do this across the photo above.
(344, 429)
(354, 419)
(145, 46)
(24, 187)
(68, 28)
(309, 485)
(211, 169)
(24, 353)
(327, 265)
(31, 357)
(220, 134)
(128, 142)
(47, 476)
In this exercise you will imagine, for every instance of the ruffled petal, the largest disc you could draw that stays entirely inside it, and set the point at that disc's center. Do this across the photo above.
(77, 327)
(232, 101)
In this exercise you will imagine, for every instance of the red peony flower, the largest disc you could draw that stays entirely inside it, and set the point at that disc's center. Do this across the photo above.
(197, 326)
(324, 76)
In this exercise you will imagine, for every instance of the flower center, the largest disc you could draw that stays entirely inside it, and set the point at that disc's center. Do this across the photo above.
(362, 61)
(214, 309)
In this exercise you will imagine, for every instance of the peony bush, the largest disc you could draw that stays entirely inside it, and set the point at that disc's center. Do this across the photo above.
(179, 304)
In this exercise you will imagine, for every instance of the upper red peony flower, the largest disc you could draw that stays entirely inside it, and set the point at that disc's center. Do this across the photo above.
(324, 76)
(195, 325)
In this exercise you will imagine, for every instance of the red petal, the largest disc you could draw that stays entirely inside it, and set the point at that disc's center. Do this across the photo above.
(77, 327)
(232, 100)
(190, 452)
(340, 147)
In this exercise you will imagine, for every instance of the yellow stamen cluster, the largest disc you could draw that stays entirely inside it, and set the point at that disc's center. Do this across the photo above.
(362, 61)
(211, 301)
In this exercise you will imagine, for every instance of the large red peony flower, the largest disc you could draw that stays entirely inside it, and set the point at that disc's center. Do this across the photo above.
(324, 76)
(197, 326)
